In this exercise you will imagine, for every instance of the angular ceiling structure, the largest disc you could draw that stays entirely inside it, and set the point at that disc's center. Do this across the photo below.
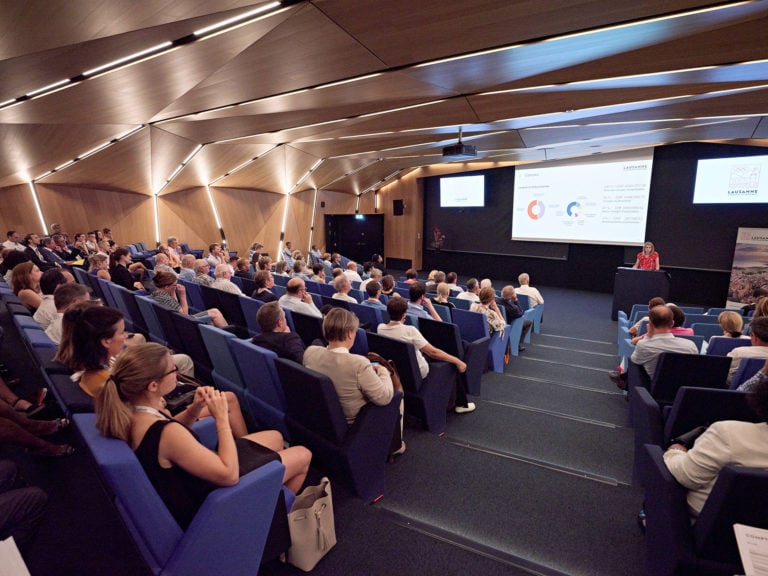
(156, 97)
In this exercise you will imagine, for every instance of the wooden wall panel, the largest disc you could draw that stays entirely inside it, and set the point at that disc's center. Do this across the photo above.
(130, 216)
(335, 203)
(299, 221)
(18, 211)
(188, 216)
(248, 216)
(403, 234)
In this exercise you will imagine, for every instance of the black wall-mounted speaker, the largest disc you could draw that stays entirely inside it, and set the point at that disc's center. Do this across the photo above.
(398, 207)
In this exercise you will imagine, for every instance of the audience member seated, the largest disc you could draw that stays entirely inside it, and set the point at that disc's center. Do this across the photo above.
(63, 250)
(342, 286)
(47, 249)
(473, 289)
(282, 269)
(216, 256)
(187, 271)
(757, 294)
(10, 261)
(655, 301)
(32, 250)
(660, 339)
(679, 319)
(22, 507)
(443, 293)
(373, 291)
(17, 429)
(297, 299)
(299, 268)
(397, 329)
(243, 269)
(533, 294)
(264, 263)
(264, 283)
(761, 307)
(487, 305)
(254, 252)
(120, 269)
(355, 379)
(486, 283)
(727, 442)
(288, 253)
(758, 333)
(98, 265)
(437, 279)
(25, 281)
(49, 282)
(351, 272)
(318, 273)
(732, 323)
(172, 295)
(513, 311)
(276, 335)
(66, 295)
(336, 260)
(163, 262)
(79, 245)
(202, 267)
(374, 274)
(430, 283)
(223, 274)
(388, 285)
(451, 278)
(759, 378)
(411, 276)
(184, 471)
(419, 305)
(173, 251)
(12, 241)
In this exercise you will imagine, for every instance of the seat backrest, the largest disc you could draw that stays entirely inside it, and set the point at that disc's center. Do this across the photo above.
(721, 345)
(250, 308)
(217, 342)
(442, 335)
(311, 401)
(248, 286)
(188, 328)
(336, 303)
(675, 370)
(194, 295)
(695, 406)
(370, 317)
(175, 340)
(472, 325)
(229, 306)
(708, 330)
(403, 354)
(739, 496)
(309, 328)
(130, 307)
(147, 307)
(443, 311)
(109, 298)
(256, 367)
(747, 368)
(691, 319)
(153, 527)
(524, 301)
(211, 297)
(81, 276)
(698, 340)
(279, 289)
(360, 345)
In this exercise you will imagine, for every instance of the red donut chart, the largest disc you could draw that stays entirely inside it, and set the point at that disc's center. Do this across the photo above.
(536, 210)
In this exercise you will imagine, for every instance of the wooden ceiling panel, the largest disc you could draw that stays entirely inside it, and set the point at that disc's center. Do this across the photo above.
(168, 153)
(124, 166)
(267, 173)
(304, 50)
(403, 32)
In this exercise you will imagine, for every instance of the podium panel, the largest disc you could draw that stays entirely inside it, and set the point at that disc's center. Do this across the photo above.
(633, 286)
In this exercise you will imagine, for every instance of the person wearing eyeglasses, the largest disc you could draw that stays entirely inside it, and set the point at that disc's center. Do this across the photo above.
(297, 299)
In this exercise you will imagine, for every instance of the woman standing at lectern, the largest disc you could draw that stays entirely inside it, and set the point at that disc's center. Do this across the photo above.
(648, 259)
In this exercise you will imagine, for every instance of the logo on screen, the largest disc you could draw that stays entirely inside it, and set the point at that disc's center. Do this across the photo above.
(536, 210)
(573, 209)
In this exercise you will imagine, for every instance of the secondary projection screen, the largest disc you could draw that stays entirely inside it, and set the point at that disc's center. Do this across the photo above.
(602, 202)
(741, 180)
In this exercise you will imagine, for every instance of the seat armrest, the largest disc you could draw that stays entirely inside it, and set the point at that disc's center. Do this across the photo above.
(228, 533)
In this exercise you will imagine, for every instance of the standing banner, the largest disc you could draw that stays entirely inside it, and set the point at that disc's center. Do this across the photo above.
(750, 266)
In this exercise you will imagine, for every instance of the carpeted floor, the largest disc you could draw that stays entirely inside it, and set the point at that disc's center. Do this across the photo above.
(535, 481)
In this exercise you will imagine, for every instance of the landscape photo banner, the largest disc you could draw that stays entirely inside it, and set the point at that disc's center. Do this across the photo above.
(750, 266)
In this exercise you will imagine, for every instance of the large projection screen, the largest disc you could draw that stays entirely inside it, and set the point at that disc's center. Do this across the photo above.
(592, 202)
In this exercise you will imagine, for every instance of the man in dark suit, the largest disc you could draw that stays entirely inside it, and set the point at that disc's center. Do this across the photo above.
(512, 310)
(35, 255)
(276, 335)
(47, 249)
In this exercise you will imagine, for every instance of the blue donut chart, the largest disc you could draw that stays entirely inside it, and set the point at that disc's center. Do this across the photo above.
(573, 209)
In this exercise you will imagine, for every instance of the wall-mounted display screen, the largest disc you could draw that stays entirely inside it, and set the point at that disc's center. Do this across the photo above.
(462, 191)
(741, 180)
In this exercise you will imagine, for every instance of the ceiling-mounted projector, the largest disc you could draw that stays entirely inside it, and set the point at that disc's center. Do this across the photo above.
(460, 150)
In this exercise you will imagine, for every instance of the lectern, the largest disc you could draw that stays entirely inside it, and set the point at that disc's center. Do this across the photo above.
(633, 286)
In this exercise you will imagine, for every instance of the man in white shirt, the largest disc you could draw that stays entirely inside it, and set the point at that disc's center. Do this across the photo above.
(471, 294)
(397, 329)
(223, 274)
(342, 286)
(534, 296)
(758, 332)
(163, 262)
(451, 278)
(65, 296)
(375, 275)
(659, 340)
(13, 241)
(297, 299)
(187, 271)
(351, 272)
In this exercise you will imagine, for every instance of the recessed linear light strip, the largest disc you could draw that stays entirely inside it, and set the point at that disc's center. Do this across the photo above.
(180, 167)
(36, 200)
(91, 152)
(243, 165)
(381, 182)
(152, 52)
(307, 175)
(353, 172)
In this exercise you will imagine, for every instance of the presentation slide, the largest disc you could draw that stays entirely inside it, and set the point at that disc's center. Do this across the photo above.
(462, 191)
(741, 180)
(597, 203)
